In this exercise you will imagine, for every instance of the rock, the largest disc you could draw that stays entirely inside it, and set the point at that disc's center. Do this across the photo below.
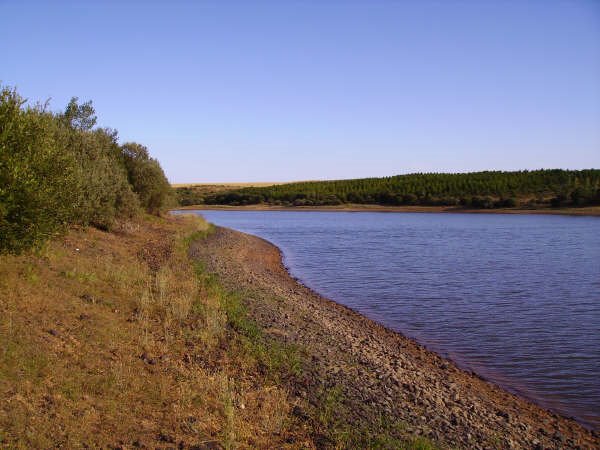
(165, 437)
(299, 412)
(503, 414)
(147, 359)
(558, 436)
(210, 445)
(87, 298)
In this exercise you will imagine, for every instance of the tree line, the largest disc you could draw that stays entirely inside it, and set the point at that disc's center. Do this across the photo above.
(58, 169)
(489, 189)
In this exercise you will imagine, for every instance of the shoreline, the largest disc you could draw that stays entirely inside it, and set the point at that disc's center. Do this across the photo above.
(461, 365)
(381, 370)
(589, 211)
(464, 366)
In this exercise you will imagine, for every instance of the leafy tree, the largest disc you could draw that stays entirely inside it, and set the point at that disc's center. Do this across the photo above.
(38, 179)
(56, 170)
(147, 178)
(80, 117)
(104, 193)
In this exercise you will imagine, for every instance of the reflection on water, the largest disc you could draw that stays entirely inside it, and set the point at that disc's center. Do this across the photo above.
(514, 298)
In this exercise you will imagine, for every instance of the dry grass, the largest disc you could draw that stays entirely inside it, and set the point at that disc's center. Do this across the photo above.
(117, 340)
(231, 185)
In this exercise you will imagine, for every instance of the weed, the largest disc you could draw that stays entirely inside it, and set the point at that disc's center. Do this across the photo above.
(382, 434)
(228, 412)
(331, 403)
(30, 274)
(19, 357)
(79, 276)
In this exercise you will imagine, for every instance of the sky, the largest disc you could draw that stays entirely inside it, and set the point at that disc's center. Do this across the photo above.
(279, 91)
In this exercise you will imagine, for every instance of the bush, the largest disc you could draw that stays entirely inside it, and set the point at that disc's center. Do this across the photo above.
(38, 179)
(56, 170)
(147, 178)
(482, 202)
(505, 203)
(104, 193)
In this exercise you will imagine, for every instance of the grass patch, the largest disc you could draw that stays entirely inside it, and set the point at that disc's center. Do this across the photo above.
(19, 358)
(276, 359)
(382, 434)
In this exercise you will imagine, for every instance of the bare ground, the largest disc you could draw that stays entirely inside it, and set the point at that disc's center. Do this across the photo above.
(581, 211)
(376, 374)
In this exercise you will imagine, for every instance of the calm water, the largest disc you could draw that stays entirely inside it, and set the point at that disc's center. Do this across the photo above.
(514, 298)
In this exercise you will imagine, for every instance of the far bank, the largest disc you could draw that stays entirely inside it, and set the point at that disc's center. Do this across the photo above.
(583, 211)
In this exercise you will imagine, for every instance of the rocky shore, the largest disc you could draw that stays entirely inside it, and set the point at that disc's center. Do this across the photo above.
(377, 374)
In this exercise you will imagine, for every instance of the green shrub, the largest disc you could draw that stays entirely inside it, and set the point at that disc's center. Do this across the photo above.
(56, 170)
(147, 178)
(38, 178)
(104, 193)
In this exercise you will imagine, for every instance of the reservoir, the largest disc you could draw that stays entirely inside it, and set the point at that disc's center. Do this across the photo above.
(514, 298)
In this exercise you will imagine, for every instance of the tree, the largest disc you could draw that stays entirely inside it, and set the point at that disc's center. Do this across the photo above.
(80, 117)
(146, 177)
(38, 175)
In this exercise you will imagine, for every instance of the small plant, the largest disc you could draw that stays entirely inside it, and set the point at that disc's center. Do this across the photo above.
(228, 413)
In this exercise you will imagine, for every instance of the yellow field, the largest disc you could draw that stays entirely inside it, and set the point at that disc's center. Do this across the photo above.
(230, 185)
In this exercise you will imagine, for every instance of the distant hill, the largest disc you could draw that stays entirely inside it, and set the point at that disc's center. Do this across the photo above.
(489, 189)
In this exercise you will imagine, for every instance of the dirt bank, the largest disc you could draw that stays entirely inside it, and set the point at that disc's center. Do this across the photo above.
(584, 211)
(373, 373)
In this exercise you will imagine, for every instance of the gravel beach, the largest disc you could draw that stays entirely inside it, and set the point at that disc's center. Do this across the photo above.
(379, 373)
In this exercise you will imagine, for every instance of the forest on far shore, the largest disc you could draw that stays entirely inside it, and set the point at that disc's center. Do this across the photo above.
(481, 190)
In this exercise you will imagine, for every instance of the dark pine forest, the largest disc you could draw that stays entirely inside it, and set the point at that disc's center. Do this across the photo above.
(490, 189)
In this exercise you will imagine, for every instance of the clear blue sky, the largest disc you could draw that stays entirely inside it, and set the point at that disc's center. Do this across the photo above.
(285, 90)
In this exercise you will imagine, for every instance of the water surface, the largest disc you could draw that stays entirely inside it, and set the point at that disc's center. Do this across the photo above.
(515, 298)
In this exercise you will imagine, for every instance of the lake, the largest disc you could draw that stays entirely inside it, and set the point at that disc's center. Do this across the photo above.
(514, 298)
